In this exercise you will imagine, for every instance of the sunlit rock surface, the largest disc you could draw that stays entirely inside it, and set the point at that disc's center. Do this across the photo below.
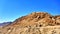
(34, 23)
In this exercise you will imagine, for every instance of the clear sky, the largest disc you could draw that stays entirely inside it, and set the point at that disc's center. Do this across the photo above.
(13, 9)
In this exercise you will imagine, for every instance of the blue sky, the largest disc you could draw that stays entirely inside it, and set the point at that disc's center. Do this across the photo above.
(13, 9)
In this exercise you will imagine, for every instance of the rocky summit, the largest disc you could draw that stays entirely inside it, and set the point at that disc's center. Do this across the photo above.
(34, 23)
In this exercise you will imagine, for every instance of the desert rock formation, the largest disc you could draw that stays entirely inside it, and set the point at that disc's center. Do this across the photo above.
(34, 23)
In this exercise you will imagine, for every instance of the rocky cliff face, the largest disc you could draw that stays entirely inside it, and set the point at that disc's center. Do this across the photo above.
(34, 23)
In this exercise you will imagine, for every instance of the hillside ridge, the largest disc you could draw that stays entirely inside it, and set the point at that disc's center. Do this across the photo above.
(34, 23)
(37, 18)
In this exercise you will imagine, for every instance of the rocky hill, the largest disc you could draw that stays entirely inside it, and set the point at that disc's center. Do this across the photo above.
(34, 23)
(5, 24)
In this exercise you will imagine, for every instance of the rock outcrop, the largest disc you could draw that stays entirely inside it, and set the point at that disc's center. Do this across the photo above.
(34, 23)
